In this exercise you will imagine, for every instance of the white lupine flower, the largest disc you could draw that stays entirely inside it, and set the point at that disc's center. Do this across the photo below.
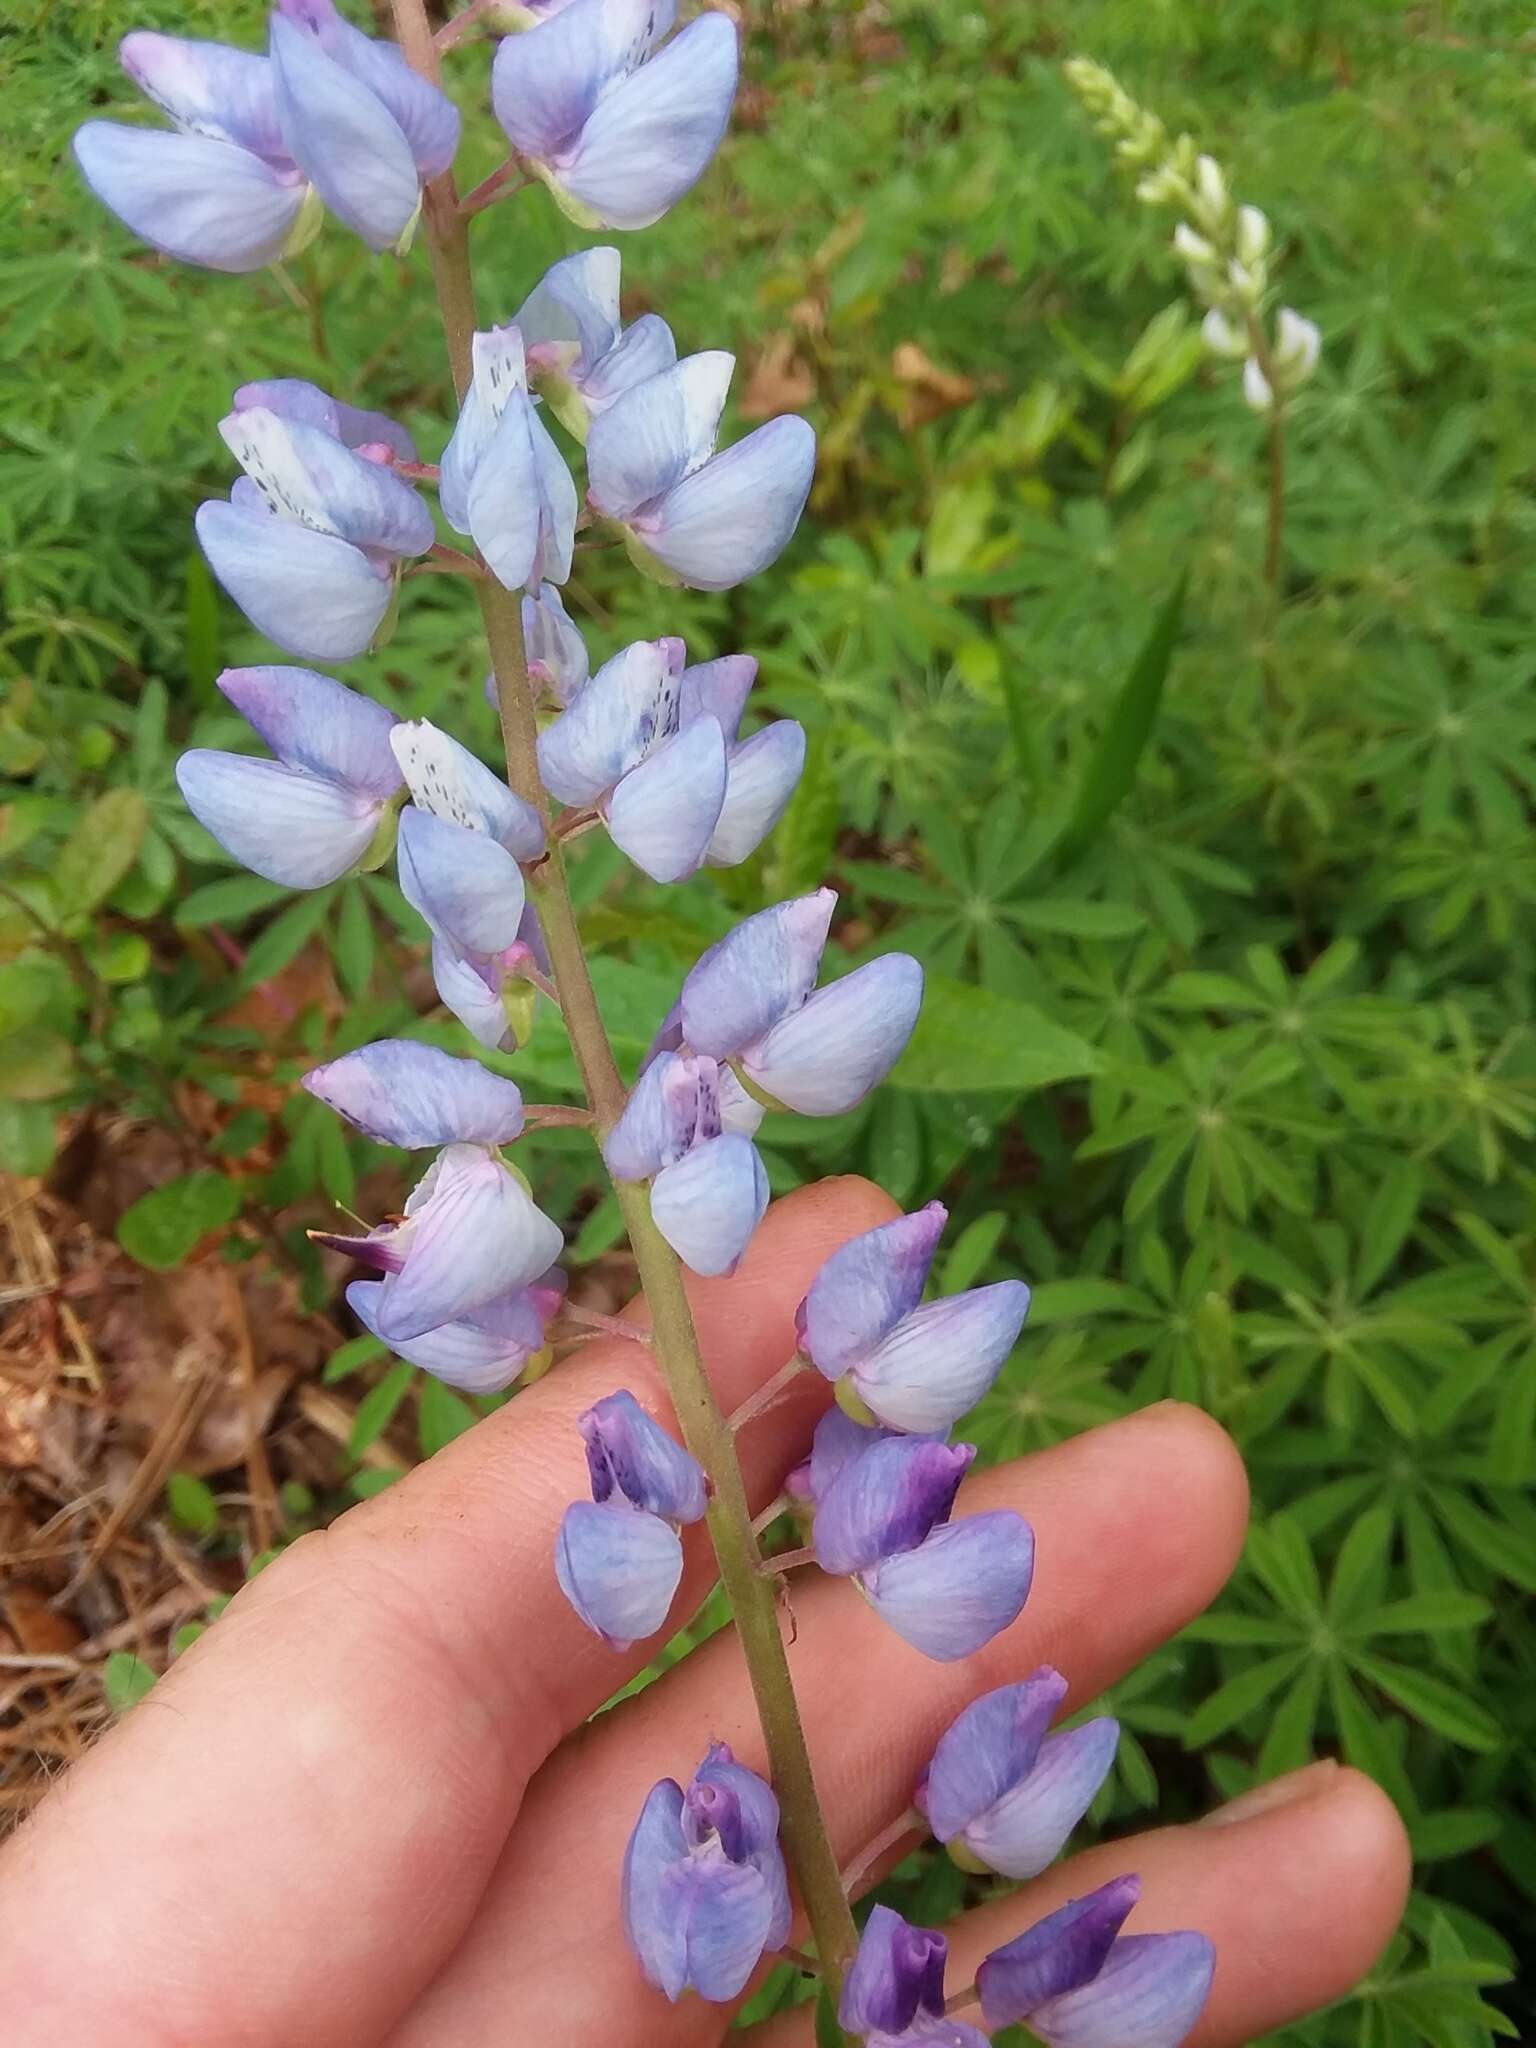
(1297, 346)
(1223, 337)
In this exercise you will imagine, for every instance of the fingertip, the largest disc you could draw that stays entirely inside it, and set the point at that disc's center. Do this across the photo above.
(1370, 1856)
(829, 1211)
(1199, 1457)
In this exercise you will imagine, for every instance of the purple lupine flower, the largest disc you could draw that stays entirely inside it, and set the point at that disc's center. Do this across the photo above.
(653, 747)
(293, 398)
(616, 132)
(220, 189)
(1077, 1982)
(363, 127)
(749, 1000)
(618, 1556)
(908, 1366)
(330, 116)
(320, 807)
(311, 539)
(705, 1895)
(580, 355)
(479, 1353)
(1001, 1793)
(461, 838)
(471, 1232)
(686, 1128)
(399, 1092)
(687, 514)
(620, 747)
(882, 1519)
(760, 772)
(502, 479)
(893, 1995)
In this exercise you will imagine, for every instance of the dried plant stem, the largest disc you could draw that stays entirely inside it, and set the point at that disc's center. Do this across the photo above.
(704, 1428)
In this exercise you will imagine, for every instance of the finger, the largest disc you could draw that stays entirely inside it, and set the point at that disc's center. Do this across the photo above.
(1300, 1893)
(288, 1836)
(1137, 1525)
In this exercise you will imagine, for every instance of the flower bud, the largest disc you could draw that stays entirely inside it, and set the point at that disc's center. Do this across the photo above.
(1297, 346)
(1222, 336)
(1252, 239)
(1212, 202)
(1001, 1793)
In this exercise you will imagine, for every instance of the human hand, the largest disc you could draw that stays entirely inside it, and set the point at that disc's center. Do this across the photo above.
(364, 1808)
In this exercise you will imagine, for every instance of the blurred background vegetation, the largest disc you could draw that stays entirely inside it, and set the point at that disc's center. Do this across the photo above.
(1228, 1048)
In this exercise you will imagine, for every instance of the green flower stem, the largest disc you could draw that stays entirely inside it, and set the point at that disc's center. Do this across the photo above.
(705, 1431)
(1274, 544)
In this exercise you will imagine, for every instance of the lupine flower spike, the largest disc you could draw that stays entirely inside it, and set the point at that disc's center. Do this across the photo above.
(1077, 1982)
(618, 116)
(471, 1233)
(892, 1360)
(704, 1889)
(1001, 1793)
(618, 1556)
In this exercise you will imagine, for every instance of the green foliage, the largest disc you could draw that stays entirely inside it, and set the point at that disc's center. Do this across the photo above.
(125, 1680)
(165, 1226)
(1230, 932)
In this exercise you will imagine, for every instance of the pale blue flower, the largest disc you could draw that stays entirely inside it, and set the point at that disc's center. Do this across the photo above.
(309, 816)
(687, 514)
(617, 129)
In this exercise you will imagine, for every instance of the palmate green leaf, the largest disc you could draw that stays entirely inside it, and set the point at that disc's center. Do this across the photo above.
(969, 1040)
(1425, 1614)
(1431, 1700)
(1239, 1697)
(1112, 769)
(1289, 1740)
(1360, 1569)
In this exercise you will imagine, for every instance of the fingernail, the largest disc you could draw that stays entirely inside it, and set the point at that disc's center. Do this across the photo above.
(1295, 1785)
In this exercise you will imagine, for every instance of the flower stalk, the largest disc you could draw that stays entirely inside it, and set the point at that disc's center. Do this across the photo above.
(705, 1430)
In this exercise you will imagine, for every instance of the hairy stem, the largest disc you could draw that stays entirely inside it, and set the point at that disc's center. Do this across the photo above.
(704, 1428)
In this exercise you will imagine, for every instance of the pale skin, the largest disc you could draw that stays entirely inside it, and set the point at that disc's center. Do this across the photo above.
(365, 1808)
